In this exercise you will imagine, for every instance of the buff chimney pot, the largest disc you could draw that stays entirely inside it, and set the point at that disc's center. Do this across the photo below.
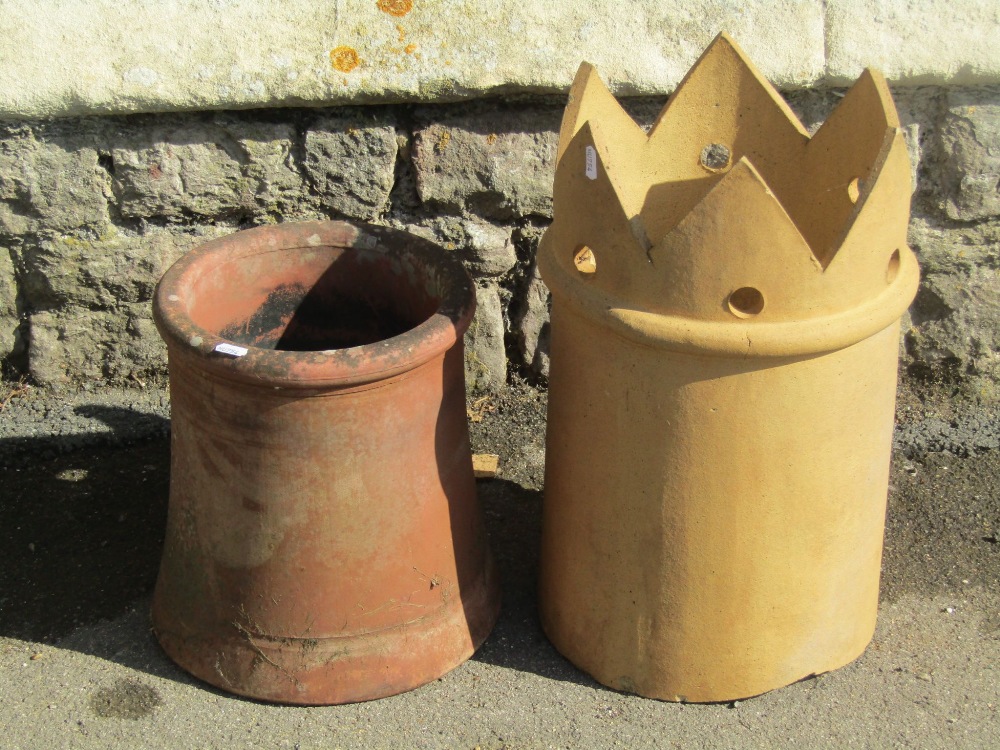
(726, 297)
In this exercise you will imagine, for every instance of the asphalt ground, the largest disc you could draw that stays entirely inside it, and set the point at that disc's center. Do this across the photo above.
(84, 494)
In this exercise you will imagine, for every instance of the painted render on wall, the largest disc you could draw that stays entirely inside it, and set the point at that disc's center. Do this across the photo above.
(72, 57)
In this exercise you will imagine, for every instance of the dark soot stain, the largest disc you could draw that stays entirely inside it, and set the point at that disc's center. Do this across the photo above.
(294, 319)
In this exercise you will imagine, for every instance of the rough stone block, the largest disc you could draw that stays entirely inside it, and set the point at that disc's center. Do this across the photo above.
(495, 163)
(351, 161)
(50, 181)
(532, 325)
(174, 168)
(67, 346)
(486, 249)
(266, 154)
(970, 142)
(952, 249)
(9, 319)
(812, 106)
(956, 323)
(103, 272)
(955, 320)
(485, 356)
(644, 110)
(74, 345)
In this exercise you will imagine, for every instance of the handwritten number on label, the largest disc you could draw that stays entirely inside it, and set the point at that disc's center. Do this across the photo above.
(591, 168)
(231, 349)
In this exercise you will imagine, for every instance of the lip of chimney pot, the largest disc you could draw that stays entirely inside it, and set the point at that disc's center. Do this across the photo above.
(442, 276)
(730, 338)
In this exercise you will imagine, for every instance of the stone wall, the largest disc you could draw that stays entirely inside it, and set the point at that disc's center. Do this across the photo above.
(94, 209)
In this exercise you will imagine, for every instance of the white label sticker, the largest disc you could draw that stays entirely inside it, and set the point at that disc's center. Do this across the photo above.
(232, 349)
(591, 163)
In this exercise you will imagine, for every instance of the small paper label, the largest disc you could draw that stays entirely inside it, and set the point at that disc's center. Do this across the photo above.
(231, 349)
(591, 162)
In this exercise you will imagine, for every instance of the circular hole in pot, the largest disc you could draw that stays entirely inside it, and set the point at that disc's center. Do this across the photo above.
(892, 270)
(314, 299)
(716, 157)
(854, 189)
(585, 261)
(746, 302)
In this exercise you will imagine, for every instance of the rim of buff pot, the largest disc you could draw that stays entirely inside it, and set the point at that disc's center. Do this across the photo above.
(726, 297)
(324, 542)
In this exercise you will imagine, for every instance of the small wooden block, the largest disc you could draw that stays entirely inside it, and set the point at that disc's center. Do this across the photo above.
(485, 465)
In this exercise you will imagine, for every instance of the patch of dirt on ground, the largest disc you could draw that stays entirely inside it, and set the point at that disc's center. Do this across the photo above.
(512, 425)
(126, 699)
(942, 526)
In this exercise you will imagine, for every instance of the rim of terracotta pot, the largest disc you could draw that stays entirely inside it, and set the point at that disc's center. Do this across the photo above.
(282, 368)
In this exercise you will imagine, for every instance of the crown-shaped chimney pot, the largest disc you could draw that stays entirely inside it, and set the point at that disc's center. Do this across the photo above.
(726, 302)
(702, 229)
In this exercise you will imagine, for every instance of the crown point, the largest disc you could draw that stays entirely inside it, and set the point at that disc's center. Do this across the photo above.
(724, 39)
(843, 161)
(873, 83)
(580, 81)
(726, 77)
(739, 225)
(590, 99)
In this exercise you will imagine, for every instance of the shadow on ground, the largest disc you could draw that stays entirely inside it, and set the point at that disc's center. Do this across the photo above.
(81, 529)
(513, 519)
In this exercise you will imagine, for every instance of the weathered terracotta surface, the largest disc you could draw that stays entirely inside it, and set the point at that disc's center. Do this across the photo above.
(726, 295)
(324, 542)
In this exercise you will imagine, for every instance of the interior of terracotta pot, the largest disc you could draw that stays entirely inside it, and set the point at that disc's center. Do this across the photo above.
(313, 299)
